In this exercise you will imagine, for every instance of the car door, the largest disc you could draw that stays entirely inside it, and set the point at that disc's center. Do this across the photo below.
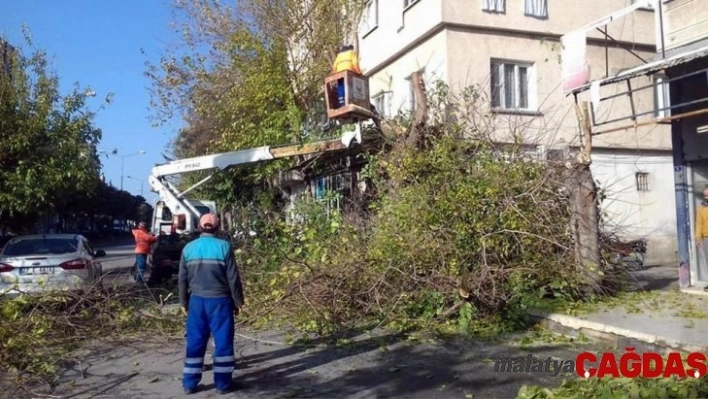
(95, 267)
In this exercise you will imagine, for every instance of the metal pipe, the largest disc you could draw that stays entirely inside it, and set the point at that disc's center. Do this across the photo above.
(660, 6)
(654, 121)
(671, 107)
(682, 217)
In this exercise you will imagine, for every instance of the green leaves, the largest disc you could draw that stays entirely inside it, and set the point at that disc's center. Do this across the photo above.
(47, 140)
(248, 75)
(620, 388)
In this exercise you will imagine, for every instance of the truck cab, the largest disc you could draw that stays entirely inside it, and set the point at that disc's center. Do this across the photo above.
(173, 233)
(165, 222)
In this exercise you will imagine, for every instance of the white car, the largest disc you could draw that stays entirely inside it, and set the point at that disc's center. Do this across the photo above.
(38, 263)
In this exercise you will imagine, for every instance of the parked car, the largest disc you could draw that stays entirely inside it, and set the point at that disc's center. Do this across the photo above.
(37, 263)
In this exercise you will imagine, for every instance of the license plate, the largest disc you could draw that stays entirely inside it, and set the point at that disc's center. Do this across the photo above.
(35, 271)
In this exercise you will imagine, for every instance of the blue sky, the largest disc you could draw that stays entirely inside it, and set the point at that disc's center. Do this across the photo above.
(98, 44)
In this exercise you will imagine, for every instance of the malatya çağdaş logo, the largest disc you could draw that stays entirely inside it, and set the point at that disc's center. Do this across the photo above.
(629, 364)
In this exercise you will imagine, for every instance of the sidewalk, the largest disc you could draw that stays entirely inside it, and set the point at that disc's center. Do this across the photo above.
(664, 319)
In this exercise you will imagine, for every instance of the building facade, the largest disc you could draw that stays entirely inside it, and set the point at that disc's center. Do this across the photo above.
(681, 63)
(509, 52)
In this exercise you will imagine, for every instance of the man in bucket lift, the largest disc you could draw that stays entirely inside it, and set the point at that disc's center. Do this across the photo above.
(347, 60)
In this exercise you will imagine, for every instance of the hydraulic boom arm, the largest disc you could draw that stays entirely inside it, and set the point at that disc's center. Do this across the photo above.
(176, 200)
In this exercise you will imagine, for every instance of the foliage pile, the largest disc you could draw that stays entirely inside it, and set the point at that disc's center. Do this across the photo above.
(640, 388)
(39, 332)
(452, 218)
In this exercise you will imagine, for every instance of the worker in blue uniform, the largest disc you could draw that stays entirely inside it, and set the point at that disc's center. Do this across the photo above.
(211, 295)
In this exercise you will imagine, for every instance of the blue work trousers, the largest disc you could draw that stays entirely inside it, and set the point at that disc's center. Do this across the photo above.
(141, 260)
(205, 316)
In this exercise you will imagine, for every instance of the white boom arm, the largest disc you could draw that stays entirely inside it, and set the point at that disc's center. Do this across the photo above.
(175, 200)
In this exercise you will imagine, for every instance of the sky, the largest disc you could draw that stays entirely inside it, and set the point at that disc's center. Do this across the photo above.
(98, 44)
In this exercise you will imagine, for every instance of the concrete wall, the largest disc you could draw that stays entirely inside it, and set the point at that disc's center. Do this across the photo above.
(553, 120)
(397, 28)
(455, 42)
(392, 81)
(392, 27)
(563, 16)
(685, 22)
(635, 213)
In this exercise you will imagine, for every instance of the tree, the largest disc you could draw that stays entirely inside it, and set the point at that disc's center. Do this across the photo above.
(259, 81)
(47, 140)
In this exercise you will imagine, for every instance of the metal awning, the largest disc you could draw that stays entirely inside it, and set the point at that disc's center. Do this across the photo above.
(673, 58)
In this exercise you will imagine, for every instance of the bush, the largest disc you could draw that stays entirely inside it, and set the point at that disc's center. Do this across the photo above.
(38, 332)
(670, 388)
(457, 229)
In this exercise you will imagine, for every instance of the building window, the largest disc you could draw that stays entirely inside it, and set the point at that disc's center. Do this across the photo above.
(381, 102)
(408, 3)
(662, 97)
(649, 7)
(512, 86)
(371, 15)
(494, 5)
(642, 181)
(536, 8)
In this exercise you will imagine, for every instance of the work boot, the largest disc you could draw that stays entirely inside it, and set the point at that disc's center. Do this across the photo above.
(229, 389)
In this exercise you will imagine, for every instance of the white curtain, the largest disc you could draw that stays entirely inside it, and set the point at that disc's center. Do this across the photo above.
(494, 5)
(536, 8)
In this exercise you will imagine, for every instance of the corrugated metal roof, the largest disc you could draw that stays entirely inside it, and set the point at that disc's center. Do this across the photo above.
(673, 58)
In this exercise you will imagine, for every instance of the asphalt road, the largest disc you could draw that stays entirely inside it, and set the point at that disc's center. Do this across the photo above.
(381, 365)
(119, 261)
(378, 365)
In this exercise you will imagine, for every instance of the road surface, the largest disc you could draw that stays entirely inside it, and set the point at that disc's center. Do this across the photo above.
(119, 261)
(378, 365)
(381, 365)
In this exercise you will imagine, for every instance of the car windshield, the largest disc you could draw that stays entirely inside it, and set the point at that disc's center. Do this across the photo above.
(41, 246)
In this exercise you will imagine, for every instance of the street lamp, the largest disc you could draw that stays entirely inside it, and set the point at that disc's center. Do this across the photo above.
(141, 183)
(122, 161)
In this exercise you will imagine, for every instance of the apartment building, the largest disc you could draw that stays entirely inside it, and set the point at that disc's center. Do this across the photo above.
(681, 63)
(510, 51)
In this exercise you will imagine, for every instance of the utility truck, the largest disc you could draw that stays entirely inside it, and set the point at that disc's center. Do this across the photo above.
(175, 219)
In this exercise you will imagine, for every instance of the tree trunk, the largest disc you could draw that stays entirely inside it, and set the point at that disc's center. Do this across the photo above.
(420, 115)
(585, 208)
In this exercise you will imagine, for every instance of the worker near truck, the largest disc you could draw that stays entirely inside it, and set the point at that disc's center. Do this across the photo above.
(143, 241)
(211, 295)
(347, 60)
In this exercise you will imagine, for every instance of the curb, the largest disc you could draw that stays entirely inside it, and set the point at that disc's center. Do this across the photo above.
(616, 337)
(694, 291)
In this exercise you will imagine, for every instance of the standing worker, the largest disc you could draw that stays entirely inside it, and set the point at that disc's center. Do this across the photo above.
(347, 60)
(143, 241)
(211, 295)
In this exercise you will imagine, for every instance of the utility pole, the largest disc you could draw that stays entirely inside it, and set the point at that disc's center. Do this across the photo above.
(141, 183)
